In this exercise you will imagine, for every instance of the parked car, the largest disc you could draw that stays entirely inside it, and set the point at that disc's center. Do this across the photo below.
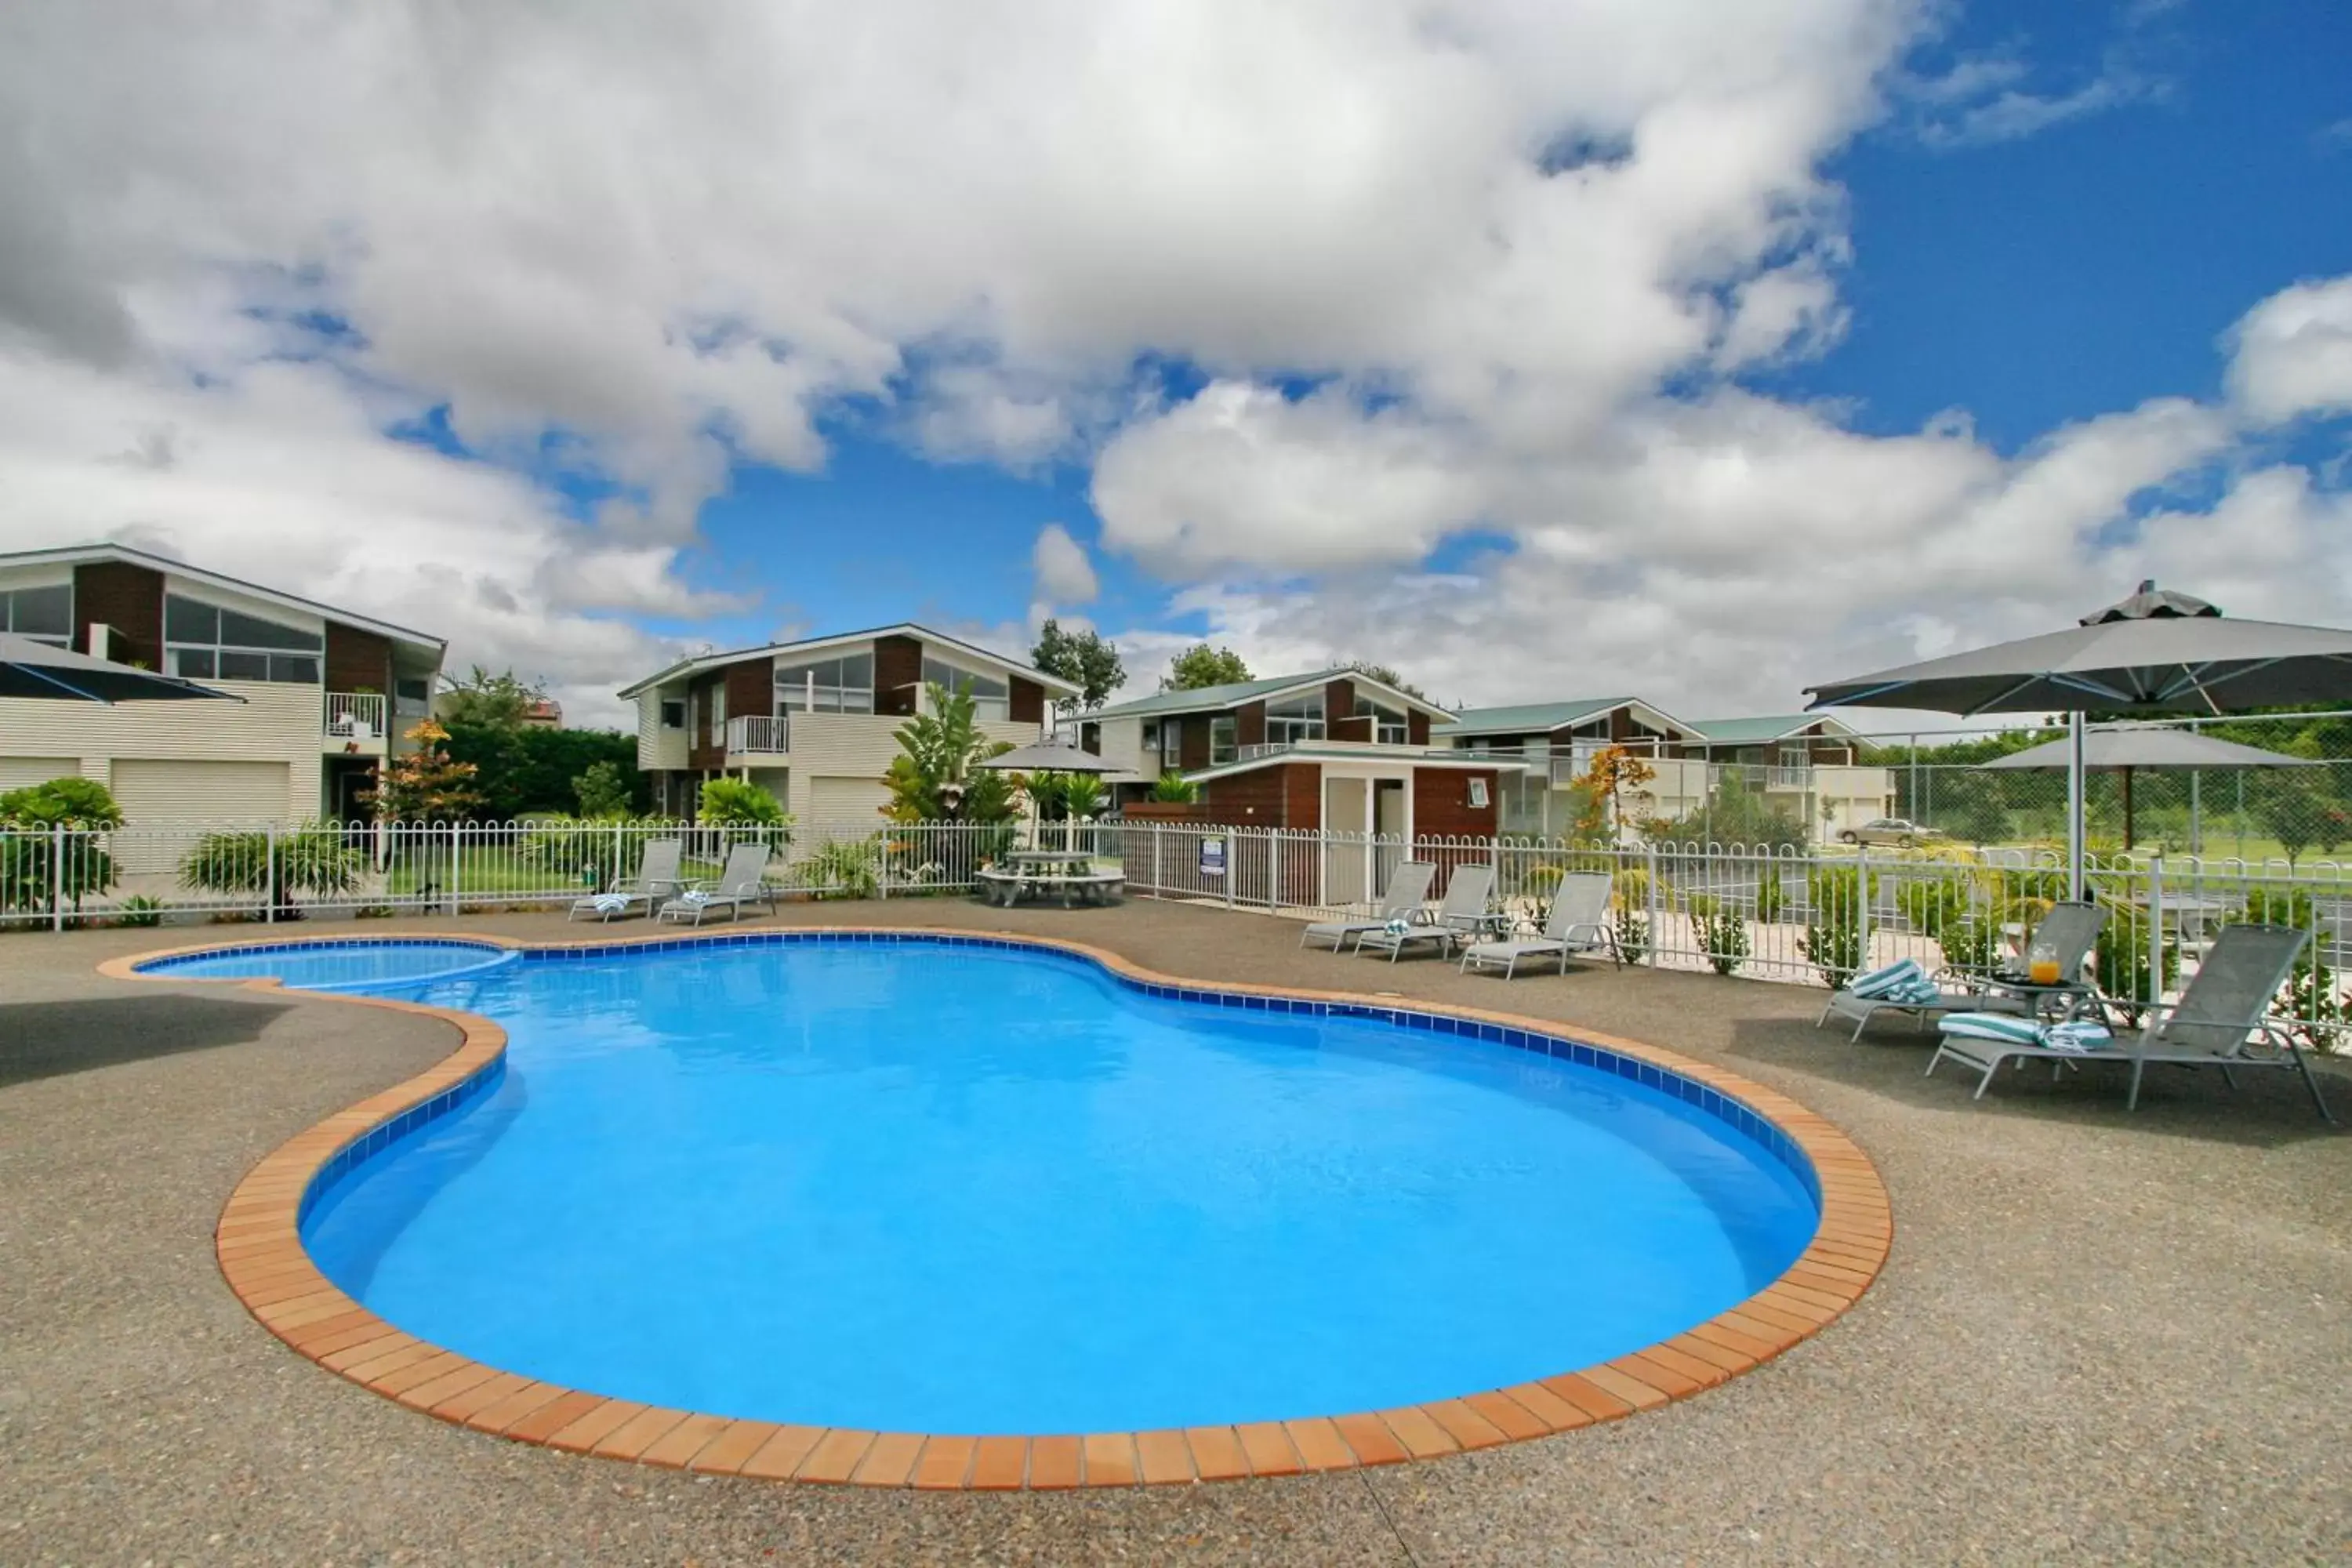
(1892, 830)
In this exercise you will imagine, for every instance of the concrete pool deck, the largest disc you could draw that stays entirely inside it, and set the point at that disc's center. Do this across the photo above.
(2100, 1335)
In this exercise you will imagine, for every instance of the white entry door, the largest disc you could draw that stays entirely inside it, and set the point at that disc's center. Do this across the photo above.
(1346, 818)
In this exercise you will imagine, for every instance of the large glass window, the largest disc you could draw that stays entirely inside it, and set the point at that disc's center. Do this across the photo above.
(45, 615)
(1299, 718)
(204, 642)
(1389, 726)
(1163, 739)
(844, 685)
(1224, 740)
(992, 698)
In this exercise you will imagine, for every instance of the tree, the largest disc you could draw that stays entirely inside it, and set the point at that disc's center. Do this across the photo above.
(1611, 771)
(1200, 665)
(425, 784)
(529, 771)
(1084, 658)
(937, 776)
(1386, 677)
(734, 804)
(602, 791)
(502, 700)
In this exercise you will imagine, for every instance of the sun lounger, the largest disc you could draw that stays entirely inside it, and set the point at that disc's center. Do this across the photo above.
(744, 880)
(657, 879)
(1460, 916)
(1578, 922)
(2068, 931)
(1407, 890)
(2222, 1020)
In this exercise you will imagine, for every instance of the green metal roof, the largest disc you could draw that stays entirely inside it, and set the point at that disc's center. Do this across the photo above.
(1756, 732)
(1229, 695)
(1529, 717)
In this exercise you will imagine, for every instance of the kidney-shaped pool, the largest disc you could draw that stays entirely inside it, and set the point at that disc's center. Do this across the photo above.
(951, 1186)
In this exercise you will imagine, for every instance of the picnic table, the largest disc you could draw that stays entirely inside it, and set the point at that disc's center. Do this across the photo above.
(1045, 873)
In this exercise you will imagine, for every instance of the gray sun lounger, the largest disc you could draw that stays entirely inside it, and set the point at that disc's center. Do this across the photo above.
(1460, 916)
(1578, 922)
(1408, 891)
(656, 878)
(743, 881)
(2071, 930)
(2222, 1020)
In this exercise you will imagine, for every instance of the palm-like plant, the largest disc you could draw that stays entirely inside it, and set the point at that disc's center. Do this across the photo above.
(306, 858)
(937, 776)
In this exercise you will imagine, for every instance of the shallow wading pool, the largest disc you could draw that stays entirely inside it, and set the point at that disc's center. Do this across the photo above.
(954, 1185)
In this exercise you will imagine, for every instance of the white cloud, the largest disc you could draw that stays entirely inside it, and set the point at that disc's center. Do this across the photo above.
(1443, 266)
(2292, 355)
(1064, 574)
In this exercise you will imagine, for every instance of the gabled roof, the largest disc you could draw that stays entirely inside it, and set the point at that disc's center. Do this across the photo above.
(1534, 717)
(1232, 694)
(90, 554)
(1758, 730)
(1053, 684)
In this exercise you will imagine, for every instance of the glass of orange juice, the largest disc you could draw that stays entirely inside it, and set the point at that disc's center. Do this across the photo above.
(2042, 968)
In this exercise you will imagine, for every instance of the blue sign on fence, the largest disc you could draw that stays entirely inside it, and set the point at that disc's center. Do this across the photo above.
(1212, 856)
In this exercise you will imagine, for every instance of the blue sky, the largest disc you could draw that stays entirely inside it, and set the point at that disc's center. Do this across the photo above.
(1856, 329)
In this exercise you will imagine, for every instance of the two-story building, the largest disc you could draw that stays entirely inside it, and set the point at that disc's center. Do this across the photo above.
(815, 722)
(326, 694)
(1332, 750)
(1805, 764)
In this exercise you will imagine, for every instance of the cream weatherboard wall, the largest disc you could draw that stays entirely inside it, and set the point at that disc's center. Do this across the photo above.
(658, 747)
(277, 724)
(832, 781)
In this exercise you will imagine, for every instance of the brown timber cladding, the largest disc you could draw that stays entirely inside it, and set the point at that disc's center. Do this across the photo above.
(897, 675)
(357, 660)
(128, 598)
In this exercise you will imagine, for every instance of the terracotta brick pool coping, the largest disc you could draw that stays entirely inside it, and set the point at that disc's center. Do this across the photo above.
(262, 1258)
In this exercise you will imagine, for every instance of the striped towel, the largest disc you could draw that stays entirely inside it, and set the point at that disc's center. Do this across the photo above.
(2008, 1028)
(2081, 1036)
(1881, 984)
(610, 903)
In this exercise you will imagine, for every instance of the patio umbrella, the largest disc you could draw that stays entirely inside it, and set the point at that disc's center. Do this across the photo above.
(2155, 654)
(1043, 758)
(38, 669)
(2123, 751)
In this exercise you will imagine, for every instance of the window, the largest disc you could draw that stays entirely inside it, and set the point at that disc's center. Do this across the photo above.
(718, 711)
(1389, 726)
(1224, 740)
(412, 690)
(673, 713)
(1300, 718)
(45, 615)
(1164, 739)
(990, 697)
(204, 642)
(844, 685)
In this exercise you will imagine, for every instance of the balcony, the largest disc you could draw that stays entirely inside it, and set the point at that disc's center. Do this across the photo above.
(759, 735)
(356, 721)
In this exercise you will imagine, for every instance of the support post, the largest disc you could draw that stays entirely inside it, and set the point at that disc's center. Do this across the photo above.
(2076, 844)
(2155, 930)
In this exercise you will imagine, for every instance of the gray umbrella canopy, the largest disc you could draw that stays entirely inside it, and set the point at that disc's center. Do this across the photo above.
(2125, 750)
(2107, 751)
(1046, 759)
(2147, 656)
(32, 669)
(2153, 654)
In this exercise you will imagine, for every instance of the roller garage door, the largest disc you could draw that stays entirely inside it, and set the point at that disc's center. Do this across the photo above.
(19, 773)
(844, 808)
(174, 794)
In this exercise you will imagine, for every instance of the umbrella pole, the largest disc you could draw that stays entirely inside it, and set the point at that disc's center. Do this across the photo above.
(2074, 835)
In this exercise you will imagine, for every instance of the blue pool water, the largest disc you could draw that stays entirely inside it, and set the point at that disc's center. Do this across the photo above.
(916, 1186)
(340, 965)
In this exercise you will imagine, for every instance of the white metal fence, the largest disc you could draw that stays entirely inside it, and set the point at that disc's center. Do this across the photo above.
(1809, 915)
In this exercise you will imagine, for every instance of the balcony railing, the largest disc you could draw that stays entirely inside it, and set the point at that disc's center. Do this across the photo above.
(759, 734)
(356, 716)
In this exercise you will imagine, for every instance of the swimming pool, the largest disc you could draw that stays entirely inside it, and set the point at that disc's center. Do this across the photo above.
(977, 1187)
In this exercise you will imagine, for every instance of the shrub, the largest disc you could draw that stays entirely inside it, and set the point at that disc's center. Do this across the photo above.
(306, 858)
(1971, 944)
(846, 868)
(603, 790)
(1772, 894)
(1833, 939)
(745, 811)
(1173, 788)
(139, 910)
(30, 875)
(2122, 958)
(1722, 933)
(1931, 903)
(1630, 922)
